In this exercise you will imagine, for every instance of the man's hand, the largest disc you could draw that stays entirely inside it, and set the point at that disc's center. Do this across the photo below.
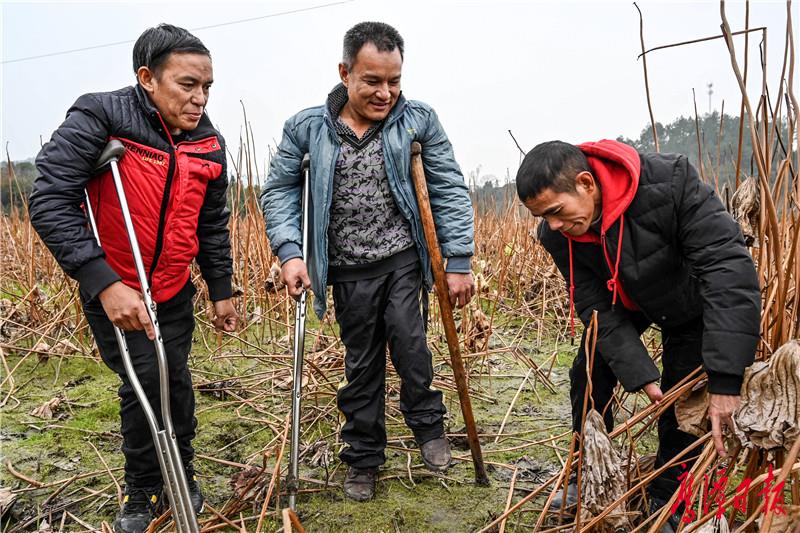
(125, 309)
(653, 392)
(226, 317)
(720, 410)
(461, 288)
(295, 276)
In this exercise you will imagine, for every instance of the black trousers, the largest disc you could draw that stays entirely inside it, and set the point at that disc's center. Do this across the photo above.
(372, 313)
(682, 353)
(176, 320)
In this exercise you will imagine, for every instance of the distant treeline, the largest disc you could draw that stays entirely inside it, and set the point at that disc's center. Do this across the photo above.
(718, 141)
(719, 145)
(15, 188)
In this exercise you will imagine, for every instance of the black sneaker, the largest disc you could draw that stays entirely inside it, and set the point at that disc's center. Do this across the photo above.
(672, 523)
(359, 484)
(565, 500)
(139, 508)
(195, 494)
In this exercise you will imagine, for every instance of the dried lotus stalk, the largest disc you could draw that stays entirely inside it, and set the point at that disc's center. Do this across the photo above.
(745, 204)
(602, 476)
(769, 414)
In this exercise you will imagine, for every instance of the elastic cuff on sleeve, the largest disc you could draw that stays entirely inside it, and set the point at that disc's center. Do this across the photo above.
(289, 250)
(724, 383)
(95, 276)
(633, 379)
(459, 265)
(219, 289)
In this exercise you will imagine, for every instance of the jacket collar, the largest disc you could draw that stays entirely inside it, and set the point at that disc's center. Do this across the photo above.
(147, 106)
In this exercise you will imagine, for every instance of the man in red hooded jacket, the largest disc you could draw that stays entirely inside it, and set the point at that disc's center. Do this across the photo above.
(642, 240)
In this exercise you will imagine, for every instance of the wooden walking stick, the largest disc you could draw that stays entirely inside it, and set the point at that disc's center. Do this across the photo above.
(440, 281)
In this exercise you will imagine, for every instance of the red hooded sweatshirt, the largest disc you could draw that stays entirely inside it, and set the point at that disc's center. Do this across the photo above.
(616, 166)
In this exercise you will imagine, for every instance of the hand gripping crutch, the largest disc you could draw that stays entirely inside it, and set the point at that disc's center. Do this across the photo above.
(292, 479)
(166, 444)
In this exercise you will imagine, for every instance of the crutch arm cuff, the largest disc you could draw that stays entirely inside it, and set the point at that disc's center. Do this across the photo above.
(219, 288)
(289, 250)
(95, 276)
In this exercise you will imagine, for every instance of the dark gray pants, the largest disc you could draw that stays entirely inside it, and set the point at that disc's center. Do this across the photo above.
(176, 320)
(682, 353)
(372, 313)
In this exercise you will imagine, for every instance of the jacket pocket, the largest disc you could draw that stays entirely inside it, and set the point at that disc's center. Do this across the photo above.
(202, 168)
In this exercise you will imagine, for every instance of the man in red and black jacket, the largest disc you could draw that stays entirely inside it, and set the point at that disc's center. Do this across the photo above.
(174, 176)
(642, 240)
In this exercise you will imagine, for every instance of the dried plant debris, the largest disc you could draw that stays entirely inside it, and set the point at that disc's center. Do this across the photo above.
(480, 331)
(745, 204)
(7, 499)
(317, 454)
(12, 320)
(769, 415)
(691, 410)
(48, 409)
(219, 389)
(321, 342)
(529, 470)
(273, 282)
(243, 481)
(603, 476)
(784, 523)
(284, 379)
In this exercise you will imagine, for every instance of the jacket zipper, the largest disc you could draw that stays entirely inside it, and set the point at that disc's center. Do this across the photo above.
(164, 202)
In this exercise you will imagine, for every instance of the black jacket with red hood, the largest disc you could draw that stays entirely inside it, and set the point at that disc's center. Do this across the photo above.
(175, 187)
(667, 249)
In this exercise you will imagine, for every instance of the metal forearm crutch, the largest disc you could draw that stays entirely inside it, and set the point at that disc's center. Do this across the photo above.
(292, 479)
(166, 444)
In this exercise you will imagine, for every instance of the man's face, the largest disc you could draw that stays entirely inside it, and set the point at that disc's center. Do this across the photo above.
(373, 83)
(569, 212)
(180, 89)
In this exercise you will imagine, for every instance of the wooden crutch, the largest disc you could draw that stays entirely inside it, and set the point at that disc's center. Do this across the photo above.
(440, 281)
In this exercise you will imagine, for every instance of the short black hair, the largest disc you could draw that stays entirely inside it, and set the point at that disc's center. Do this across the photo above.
(154, 46)
(550, 165)
(384, 37)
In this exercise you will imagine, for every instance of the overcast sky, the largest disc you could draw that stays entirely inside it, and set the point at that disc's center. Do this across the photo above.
(545, 70)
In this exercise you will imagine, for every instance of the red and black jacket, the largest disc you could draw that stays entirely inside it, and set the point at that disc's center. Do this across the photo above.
(176, 192)
(668, 252)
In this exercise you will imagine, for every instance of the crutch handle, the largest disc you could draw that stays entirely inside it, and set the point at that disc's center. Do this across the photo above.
(306, 163)
(113, 151)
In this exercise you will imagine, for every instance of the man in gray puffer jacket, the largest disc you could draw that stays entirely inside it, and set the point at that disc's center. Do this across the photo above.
(366, 240)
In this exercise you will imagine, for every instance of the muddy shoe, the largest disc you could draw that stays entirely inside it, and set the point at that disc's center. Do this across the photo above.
(139, 508)
(560, 500)
(436, 454)
(359, 484)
